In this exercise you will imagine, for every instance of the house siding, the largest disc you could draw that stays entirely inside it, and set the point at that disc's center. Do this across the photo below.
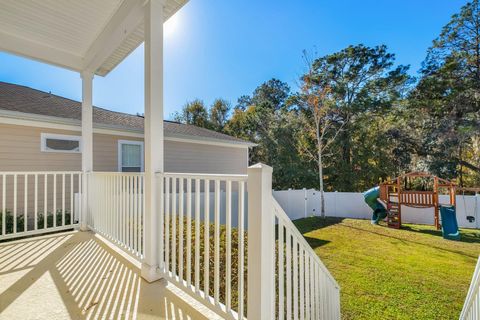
(20, 151)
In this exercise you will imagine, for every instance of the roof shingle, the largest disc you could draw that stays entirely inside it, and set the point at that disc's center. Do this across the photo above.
(27, 100)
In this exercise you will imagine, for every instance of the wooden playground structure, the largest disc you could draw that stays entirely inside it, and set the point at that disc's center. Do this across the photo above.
(396, 193)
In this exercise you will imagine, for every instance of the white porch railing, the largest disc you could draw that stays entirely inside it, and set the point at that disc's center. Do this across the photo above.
(38, 202)
(471, 308)
(197, 251)
(202, 236)
(306, 289)
(116, 208)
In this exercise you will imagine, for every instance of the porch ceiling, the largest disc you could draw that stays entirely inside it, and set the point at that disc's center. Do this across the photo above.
(94, 35)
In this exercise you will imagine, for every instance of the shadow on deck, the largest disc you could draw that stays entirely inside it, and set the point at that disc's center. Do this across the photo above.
(76, 275)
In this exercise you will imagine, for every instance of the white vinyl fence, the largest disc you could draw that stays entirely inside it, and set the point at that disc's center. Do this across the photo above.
(304, 203)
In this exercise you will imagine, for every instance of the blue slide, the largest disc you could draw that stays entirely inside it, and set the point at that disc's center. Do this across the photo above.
(449, 223)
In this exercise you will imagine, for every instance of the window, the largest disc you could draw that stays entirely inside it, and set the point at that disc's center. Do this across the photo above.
(60, 143)
(130, 156)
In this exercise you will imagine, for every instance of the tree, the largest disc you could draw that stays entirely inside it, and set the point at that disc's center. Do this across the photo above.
(219, 113)
(193, 113)
(315, 100)
(360, 80)
(448, 97)
(272, 93)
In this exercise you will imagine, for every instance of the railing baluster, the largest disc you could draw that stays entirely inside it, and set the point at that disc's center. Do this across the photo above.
(63, 199)
(130, 213)
(181, 222)
(216, 292)
(25, 204)
(307, 286)
(124, 211)
(281, 267)
(71, 199)
(228, 246)
(295, 279)
(80, 192)
(302, 283)
(206, 256)
(288, 246)
(54, 200)
(4, 204)
(135, 214)
(197, 235)
(14, 203)
(167, 224)
(174, 227)
(241, 248)
(116, 202)
(35, 211)
(189, 232)
(45, 201)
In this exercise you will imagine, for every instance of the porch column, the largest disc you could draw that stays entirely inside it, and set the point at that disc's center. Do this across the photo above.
(87, 141)
(153, 133)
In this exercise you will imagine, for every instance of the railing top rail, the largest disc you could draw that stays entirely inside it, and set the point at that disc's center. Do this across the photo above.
(288, 223)
(211, 176)
(115, 173)
(474, 288)
(38, 172)
(417, 192)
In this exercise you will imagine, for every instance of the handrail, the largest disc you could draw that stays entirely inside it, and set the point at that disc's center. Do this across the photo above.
(38, 172)
(473, 295)
(231, 177)
(115, 173)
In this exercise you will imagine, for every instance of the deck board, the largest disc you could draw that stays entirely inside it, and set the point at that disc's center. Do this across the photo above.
(76, 275)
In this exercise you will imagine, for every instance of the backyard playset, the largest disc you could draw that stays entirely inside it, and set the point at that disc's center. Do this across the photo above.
(418, 190)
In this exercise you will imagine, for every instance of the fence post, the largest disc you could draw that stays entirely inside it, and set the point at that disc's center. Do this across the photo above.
(305, 202)
(261, 250)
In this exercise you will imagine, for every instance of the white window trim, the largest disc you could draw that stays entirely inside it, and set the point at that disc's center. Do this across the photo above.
(43, 142)
(119, 152)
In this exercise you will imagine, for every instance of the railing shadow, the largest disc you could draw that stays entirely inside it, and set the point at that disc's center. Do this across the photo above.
(306, 225)
(82, 278)
(316, 243)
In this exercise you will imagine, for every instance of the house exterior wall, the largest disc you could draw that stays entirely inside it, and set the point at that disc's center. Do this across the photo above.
(20, 151)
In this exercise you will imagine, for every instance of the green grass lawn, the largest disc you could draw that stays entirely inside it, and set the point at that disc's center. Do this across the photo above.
(385, 273)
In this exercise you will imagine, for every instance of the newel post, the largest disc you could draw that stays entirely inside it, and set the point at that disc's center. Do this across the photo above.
(261, 267)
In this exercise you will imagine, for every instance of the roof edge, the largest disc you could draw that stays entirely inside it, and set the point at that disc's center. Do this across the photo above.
(77, 123)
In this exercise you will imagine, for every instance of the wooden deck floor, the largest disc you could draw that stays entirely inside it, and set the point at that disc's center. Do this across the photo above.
(77, 275)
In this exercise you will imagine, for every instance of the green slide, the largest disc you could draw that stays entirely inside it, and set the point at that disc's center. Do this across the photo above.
(449, 223)
(379, 211)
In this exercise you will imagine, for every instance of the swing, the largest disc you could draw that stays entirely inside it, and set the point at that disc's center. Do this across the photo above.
(474, 217)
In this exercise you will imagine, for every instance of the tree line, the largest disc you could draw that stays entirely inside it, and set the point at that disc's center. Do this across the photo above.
(358, 117)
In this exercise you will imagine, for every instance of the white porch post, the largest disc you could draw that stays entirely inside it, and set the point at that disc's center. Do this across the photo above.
(261, 264)
(153, 133)
(87, 141)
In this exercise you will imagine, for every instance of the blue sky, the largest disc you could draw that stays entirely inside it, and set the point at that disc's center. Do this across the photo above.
(227, 48)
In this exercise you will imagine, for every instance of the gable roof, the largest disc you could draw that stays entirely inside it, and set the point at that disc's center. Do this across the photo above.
(17, 98)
